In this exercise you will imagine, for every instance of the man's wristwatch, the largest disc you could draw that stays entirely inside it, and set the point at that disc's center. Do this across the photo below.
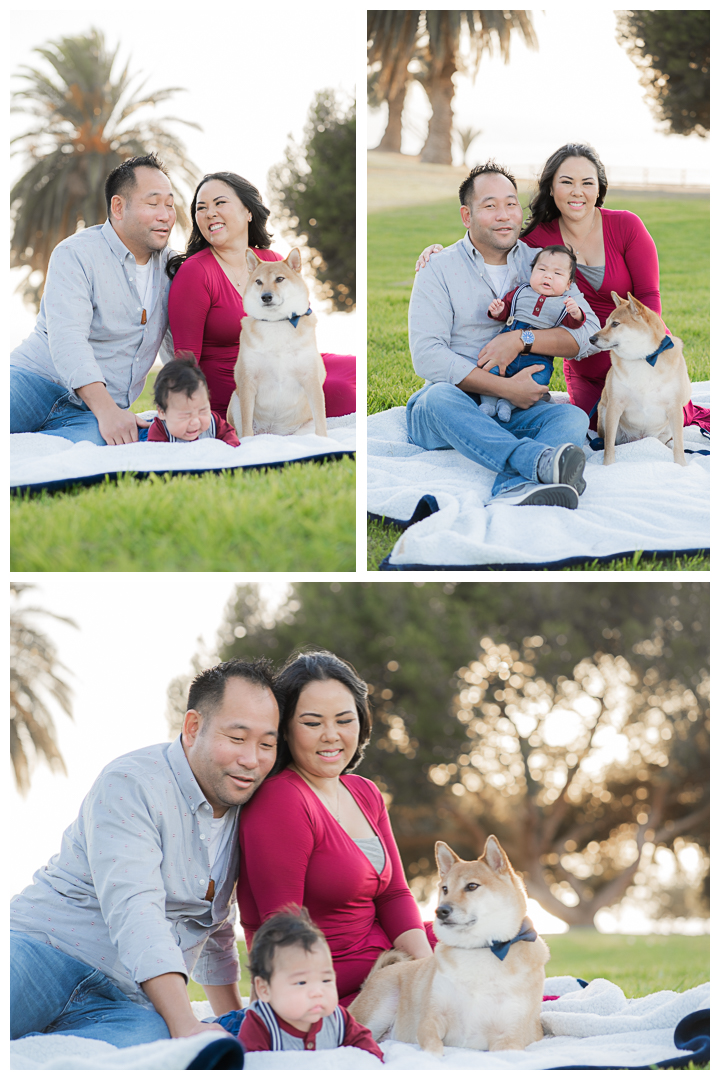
(528, 339)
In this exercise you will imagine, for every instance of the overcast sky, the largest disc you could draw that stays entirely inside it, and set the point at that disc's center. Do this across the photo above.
(250, 71)
(579, 86)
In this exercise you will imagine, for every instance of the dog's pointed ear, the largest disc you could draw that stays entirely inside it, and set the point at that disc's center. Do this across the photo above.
(617, 300)
(445, 857)
(633, 304)
(294, 260)
(495, 857)
(252, 260)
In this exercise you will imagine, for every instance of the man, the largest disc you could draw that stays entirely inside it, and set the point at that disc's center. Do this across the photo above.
(141, 894)
(536, 454)
(103, 317)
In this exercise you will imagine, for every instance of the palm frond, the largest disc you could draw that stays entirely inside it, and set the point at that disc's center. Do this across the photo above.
(83, 124)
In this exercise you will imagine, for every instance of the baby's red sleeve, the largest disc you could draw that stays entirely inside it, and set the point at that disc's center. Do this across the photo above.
(253, 1034)
(573, 324)
(225, 431)
(506, 301)
(358, 1035)
(156, 432)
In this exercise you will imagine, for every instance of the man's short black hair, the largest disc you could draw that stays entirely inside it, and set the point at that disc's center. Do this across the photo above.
(179, 376)
(559, 249)
(122, 180)
(468, 185)
(207, 689)
(290, 926)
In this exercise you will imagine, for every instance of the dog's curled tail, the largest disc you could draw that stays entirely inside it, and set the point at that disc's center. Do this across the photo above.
(385, 959)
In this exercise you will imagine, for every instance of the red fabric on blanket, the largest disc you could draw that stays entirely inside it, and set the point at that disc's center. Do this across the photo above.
(696, 414)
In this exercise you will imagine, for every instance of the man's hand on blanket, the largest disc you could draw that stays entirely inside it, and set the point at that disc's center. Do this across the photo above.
(117, 426)
(168, 993)
(502, 350)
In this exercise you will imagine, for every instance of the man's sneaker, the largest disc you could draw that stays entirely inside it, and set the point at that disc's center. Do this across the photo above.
(564, 465)
(539, 495)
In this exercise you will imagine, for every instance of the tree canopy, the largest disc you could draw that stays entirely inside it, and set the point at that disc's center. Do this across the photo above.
(313, 193)
(438, 44)
(569, 719)
(672, 50)
(84, 124)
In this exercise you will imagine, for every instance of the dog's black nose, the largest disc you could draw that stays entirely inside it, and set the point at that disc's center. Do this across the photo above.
(266, 297)
(593, 339)
(443, 911)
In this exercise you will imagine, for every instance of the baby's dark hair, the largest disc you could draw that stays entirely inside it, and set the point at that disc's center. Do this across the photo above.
(291, 925)
(179, 376)
(559, 249)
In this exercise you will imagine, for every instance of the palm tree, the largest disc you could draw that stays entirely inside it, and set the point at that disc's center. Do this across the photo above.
(84, 125)
(466, 137)
(441, 42)
(34, 667)
(392, 38)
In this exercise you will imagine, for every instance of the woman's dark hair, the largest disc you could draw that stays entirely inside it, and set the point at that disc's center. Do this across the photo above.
(542, 206)
(291, 925)
(319, 666)
(179, 376)
(249, 196)
(559, 249)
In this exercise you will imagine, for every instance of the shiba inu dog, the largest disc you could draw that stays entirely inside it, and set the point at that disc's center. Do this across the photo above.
(483, 986)
(279, 373)
(648, 383)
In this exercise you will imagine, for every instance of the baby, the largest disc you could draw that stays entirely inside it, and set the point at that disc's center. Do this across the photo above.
(183, 406)
(297, 999)
(539, 304)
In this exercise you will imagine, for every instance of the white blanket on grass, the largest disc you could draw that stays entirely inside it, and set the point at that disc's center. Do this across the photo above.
(41, 459)
(643, 502)
(596, 1026)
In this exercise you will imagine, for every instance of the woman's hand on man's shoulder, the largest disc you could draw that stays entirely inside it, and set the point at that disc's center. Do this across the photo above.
(425, 256)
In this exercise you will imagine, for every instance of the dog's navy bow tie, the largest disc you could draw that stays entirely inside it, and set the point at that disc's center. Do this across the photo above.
(527, 933)
(295, 319)
(667, 343)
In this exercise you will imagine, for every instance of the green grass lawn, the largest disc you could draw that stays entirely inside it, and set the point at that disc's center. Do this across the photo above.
(638, 965)
(395, 239)
(298, 518)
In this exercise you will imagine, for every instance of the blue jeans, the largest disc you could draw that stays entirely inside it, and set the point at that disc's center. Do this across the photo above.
(51, 993)
(231, 1021)
(36, 404)
(521, 362)
(443, 417)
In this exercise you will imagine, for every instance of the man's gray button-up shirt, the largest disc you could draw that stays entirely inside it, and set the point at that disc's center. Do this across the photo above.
(126, 893)
(448, 319)
(90, 328)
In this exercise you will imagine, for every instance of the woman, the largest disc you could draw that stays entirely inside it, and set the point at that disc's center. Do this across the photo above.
(205, 302)
(316, 835)
(614, 251)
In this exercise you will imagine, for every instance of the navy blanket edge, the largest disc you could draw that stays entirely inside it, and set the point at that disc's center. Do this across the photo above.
(97, 478)
(692, 1034)
(223, 1053)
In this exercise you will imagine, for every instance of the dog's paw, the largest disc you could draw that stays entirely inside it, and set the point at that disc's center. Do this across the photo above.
(434, 1047)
